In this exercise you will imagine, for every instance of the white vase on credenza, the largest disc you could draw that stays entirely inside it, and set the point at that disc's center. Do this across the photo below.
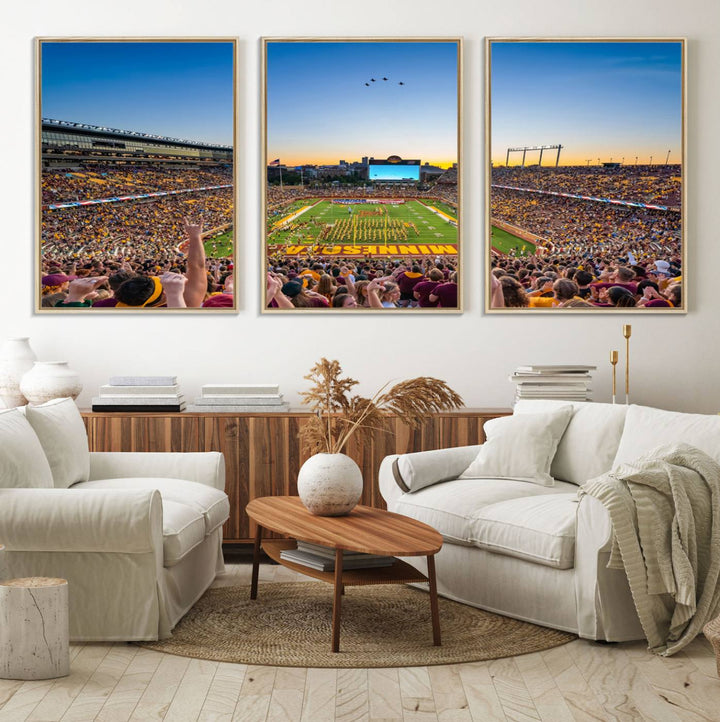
(49, 380)
(330, 484)
(16, 359)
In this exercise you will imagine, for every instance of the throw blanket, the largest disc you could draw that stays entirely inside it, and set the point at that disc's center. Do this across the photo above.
(665, 512)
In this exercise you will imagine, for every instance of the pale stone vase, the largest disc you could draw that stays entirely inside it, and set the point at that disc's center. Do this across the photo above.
(49, 380)
(330, 484)
(16, 358)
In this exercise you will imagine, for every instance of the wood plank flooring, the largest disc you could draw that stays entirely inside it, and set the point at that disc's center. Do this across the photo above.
(581, 681)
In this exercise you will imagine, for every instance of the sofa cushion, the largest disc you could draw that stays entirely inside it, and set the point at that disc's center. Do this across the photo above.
(591, 439)
(207, 501)
(61, 431)
(417, 470)
(183, 530)
(540, 529)
(23, 463)
(647, 428)
(520, 447)
(454, 507)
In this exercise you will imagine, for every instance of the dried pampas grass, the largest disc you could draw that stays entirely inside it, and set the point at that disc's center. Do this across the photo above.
(339, 415)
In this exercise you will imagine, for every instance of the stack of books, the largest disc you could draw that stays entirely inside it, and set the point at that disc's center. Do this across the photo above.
(140, 393)
(564, 382)
(240, 398)
(322, 558)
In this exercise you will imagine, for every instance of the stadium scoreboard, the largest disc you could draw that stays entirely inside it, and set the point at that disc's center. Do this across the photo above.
(394, 170)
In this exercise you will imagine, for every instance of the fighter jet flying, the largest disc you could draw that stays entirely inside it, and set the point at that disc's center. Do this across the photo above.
(374, 80)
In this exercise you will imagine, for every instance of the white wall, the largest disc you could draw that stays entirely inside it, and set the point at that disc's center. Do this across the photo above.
(674, 358)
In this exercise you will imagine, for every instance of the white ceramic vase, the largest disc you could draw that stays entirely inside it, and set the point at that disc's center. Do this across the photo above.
(330, 484)
(49, 380)
(16, 358)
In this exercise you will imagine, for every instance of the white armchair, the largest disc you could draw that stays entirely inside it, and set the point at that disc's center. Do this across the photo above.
(137, 536)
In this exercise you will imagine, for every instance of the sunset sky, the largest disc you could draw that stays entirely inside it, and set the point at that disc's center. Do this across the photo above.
(321, 111)
(177, 89)
(606, 100)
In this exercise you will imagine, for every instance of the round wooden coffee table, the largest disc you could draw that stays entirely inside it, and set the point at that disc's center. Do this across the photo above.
(364, 529)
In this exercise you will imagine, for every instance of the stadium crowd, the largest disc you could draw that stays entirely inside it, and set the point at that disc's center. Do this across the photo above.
(580, 226)
(111, 181)
(98, 256)
(123, 239)
(559, 280)
(321, 282)
(657, 184)
(592, 254)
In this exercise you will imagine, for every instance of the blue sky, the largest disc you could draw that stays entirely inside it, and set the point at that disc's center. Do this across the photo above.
(321, 111)
(602, 100)
(178, 89)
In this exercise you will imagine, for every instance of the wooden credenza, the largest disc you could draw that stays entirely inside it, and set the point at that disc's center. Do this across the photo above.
(262, 453)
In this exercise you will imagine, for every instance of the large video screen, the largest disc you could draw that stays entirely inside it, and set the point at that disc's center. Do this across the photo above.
(394, 172)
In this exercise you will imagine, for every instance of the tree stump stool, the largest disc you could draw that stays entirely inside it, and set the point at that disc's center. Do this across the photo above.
(34, 628)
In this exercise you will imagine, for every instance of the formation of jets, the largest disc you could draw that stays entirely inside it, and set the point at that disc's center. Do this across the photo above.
(374, 80)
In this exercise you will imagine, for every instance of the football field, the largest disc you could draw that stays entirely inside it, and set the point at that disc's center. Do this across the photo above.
(504, 242)
(322, 221)
(220, 246)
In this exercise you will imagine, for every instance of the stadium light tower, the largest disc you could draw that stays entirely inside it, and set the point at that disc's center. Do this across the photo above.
(525, 148)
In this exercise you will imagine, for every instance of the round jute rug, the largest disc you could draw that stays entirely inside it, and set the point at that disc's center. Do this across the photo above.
(289, 625)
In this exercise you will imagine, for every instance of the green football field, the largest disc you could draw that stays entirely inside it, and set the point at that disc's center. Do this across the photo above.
(220, 246)
(504, 242)
(328, 222)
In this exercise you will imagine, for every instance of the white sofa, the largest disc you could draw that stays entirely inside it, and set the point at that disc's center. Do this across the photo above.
(539, 553)
(138, 536)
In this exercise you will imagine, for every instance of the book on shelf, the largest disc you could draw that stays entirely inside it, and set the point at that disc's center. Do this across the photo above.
(550, 397)
(550, 379)
(549, 394)
(240, 400)
(139, 400)
(323, 564)
(329, 552)
(240, 389)
(143, 380)
(564, 382)
(170, 408)
(554, 369)
(554, 388)
(237, 408)
(110, 390)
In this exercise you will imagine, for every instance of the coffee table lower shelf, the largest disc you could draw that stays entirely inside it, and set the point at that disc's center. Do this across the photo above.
(364, 529)
(399, 572)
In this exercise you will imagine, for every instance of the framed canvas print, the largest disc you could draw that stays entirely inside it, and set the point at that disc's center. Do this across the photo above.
(361, 175)
(135, 184)
(585, 175)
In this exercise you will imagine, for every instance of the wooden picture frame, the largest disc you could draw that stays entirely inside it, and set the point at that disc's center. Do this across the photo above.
(133, 136)
(585, 175)
(386, 210)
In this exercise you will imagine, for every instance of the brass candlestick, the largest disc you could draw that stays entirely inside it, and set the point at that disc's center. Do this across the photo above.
(613, 361)
(627, 331)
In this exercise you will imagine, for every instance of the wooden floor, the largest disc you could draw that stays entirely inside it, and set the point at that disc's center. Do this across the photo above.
(578, 681)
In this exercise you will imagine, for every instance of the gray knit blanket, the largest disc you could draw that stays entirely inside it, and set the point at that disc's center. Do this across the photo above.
(665, 512)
